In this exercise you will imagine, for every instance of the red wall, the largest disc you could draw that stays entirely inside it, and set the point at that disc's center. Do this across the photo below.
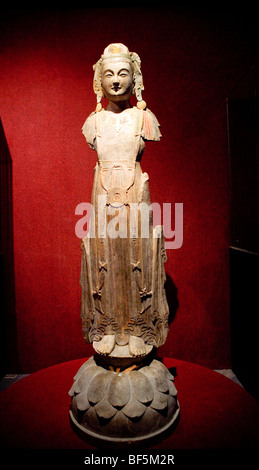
(190, 62)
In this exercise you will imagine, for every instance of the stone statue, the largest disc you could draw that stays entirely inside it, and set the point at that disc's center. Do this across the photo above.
(122, 278)
(122, 395)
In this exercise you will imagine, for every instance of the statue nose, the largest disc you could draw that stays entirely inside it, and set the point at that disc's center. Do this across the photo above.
(116, 79)
(116, 84)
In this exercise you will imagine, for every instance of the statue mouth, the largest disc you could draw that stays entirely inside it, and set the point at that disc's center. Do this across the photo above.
(116, 87)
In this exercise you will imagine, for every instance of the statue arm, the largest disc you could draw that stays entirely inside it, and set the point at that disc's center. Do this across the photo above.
(89, 130)
(151, 126)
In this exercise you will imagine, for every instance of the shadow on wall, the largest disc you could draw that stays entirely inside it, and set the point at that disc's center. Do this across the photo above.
(171, 295)
(8, 336)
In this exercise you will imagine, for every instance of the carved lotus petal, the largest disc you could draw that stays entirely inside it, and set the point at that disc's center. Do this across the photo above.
(90, 418)
(86, 365)
(121, 422)
(73, 406)
(134, 409)
(97, 387)
(104, 409)
(152, 421)
(86, 377)
(172, 403)
(119, 390)
(158, 379)
(160, 401)
(72, 390)
(141, 386)
(161, 368)
(172, 389)
(82, 402)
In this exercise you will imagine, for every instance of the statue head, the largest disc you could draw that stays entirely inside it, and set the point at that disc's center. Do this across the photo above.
(117, 53)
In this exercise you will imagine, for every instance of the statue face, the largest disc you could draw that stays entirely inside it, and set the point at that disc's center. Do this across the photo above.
(117, 79)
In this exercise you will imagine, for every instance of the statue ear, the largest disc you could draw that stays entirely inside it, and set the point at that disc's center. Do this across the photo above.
(97, 85)
(137, 80)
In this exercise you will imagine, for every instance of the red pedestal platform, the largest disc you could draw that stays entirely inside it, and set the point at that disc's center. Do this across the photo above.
(215, 413)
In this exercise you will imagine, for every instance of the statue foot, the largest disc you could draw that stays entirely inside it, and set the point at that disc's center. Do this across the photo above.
(106, 345)
(137, 346)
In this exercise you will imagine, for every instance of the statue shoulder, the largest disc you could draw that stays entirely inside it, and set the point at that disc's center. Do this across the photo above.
(151, 126)
(89, 129)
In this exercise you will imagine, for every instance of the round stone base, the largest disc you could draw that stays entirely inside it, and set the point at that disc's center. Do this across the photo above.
(123, 408)
(99, 440)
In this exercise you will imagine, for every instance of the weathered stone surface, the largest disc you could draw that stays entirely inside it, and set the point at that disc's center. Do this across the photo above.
(119, 390)
(123, 256)
(86, 377)
(104, 409)
(162, 368)
(96, 389)
(85, 366)
(172, 389)
(81, 401)
(134, 409)
(141, 387)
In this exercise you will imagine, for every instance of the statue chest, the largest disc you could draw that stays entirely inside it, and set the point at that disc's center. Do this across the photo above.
(118, 137)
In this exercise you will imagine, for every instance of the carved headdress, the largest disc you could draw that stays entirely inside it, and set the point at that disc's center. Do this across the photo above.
(113, 51)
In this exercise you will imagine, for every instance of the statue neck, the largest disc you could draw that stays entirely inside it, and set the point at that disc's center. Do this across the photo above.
(118, 106)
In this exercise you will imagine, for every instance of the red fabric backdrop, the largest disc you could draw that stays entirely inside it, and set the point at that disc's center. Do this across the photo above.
(190, 62)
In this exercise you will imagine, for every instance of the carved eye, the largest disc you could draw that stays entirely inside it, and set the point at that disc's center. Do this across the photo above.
(124, 73)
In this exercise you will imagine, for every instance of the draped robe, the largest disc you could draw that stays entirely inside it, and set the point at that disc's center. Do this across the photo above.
(122, 271)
